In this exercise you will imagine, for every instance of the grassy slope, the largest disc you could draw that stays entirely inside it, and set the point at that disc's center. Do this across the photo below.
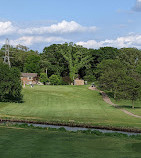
(126, 104)
(35, 143)
(67, 103)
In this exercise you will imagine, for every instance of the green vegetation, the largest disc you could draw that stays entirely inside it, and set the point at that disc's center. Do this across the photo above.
(43, 78)
(122, 76)
(65, 60)
(39, 143)
(76, 56)
(32, 64)
(67, 104)
(54, 80)
(10, 84)
(117, 71)
(126, 104)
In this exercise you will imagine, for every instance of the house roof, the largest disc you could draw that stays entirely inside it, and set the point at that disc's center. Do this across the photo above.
(28, 74)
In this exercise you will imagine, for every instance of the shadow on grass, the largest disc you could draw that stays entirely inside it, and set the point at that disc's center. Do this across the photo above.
(11, 99)
(110, 95)
(127, 107)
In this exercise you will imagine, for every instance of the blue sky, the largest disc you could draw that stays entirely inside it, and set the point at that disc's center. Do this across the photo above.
(91, 23)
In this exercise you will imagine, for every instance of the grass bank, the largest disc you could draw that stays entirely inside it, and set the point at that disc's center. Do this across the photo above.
(67, 104)
(24, 142)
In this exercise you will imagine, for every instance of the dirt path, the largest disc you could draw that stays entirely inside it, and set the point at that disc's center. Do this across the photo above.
(108, 100)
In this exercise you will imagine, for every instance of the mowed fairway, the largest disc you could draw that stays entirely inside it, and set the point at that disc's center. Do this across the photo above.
(38, 143)
(66, 104)
(126, 104)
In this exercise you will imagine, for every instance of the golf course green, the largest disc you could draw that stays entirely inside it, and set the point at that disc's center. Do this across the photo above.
(68, 104)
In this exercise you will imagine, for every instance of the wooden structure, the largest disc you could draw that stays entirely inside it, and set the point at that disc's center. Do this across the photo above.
(29, 78)
(78, 82)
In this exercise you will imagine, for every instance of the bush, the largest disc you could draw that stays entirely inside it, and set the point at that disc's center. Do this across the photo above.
(57, 80)
(89, 78)
(43, 78)
(54, 79)
(10, 84)
(66, 80)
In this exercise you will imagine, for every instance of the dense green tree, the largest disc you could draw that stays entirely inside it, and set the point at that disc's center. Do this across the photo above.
(53, 61)
(76, 56)
(138, 68)
(10, 84)
(54, 79)
(107, 53)
(117, 79)
(130, 87)
(130, 57)
(111, 73)
(32, 64)
(19, 57)
(43, 78)
(1, 55)
(98, 55)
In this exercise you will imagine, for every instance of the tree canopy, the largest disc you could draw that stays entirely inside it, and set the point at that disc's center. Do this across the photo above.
(116, 70)
(10, 84)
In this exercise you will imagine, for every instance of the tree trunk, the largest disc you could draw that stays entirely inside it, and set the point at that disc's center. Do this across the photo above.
(132, 104)
(46, 72)
(115, 95)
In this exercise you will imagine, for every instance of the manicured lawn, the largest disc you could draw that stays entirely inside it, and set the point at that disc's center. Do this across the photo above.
(126, 104)
(75, 104)
(39, 143)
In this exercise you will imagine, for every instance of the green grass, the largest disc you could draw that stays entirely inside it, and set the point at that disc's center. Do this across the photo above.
(39, 143)
(126, 104)
(64, 104)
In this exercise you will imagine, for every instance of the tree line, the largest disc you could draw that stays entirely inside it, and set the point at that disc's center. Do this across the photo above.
(118, 71)
(64, 60)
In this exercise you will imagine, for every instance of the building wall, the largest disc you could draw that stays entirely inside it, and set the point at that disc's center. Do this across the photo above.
(28, 81)
(78, 82)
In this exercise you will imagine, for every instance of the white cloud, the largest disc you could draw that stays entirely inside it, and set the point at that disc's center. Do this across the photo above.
(120, 42)
(30, 40)
(64, 27)
(6, 28)
(60, 28)
(35, 35)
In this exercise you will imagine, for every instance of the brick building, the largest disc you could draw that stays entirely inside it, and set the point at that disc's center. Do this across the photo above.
(29, 78)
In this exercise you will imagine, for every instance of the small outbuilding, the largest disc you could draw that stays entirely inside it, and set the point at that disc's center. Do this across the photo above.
(29, 78)
(78, 82)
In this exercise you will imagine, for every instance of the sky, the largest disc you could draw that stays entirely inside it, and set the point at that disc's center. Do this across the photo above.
(90, 23)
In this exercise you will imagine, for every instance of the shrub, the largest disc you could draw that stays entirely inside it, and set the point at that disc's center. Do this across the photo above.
(54, 79)
(89, 78)
(66, 80)
(43, 78)
(10, 84)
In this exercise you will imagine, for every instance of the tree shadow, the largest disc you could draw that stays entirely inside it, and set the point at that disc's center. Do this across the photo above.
(127, 107)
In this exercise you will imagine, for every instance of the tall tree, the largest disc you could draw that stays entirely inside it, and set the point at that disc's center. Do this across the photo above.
(111, 73)
(130, 87)
(76, 56)
(130, 57)
(10, 84)
(32, 64)
(116, 78)
(53, 61)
